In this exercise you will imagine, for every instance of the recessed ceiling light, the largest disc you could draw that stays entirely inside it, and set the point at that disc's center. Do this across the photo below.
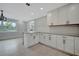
(32, 13)
(41, 8)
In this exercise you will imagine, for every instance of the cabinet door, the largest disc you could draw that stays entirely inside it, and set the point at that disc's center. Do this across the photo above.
(63, 15)
(69, 44)
(52, 17)
(36, 40)
(53, 41)
(25, 40)
(77, 45)
(73, 14)
(41, 37)
(30, 40)
(60, 42)
(46, 39)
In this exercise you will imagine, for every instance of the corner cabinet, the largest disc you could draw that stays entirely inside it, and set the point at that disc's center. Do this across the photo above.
(31, 39)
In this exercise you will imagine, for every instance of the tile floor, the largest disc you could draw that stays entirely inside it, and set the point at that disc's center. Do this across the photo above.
(14, 47)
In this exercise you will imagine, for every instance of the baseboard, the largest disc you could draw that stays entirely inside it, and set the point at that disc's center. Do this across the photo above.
(33, 45)
(58, 49)
(70, 54)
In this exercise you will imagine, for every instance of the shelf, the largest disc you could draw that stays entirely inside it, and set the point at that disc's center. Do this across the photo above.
(64, 25)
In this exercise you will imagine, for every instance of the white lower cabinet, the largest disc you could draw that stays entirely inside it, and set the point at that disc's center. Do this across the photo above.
(27, 40)
(30, 39)
(60, 44)
(76, 45)
(65, 43)
(44, 38)
(41, 38)
(69, 44)
(36, 38)
(53, 41)
(47, 38)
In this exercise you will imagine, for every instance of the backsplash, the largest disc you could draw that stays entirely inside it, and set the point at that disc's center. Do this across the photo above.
(65, 29)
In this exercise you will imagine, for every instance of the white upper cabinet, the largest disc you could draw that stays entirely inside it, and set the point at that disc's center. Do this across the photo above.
(73, 13)
(68, 14)
(63, 15)
(31, 26)
(52, 17)
(41, 25)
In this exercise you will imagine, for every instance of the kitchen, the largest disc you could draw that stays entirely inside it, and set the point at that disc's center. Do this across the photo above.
(55, 25)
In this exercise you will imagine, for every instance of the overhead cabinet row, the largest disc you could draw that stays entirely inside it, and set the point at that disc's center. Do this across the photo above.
(68, 14)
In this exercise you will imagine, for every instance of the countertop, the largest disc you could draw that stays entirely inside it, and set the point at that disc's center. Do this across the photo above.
(68, 34)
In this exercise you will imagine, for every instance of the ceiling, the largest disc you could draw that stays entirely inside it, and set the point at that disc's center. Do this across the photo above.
(22, 12)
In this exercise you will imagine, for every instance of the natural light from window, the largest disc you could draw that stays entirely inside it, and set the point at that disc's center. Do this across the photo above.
(7, 26)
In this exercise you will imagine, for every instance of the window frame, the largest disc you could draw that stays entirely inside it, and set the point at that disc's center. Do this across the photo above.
(11, 20)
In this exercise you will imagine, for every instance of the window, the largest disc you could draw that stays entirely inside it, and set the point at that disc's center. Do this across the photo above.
(0, 22)
(7, 26)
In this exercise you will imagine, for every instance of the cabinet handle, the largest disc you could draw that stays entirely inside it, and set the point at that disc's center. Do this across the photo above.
(33, 37)
(44, 37)
(49, 38)
(64, 41)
